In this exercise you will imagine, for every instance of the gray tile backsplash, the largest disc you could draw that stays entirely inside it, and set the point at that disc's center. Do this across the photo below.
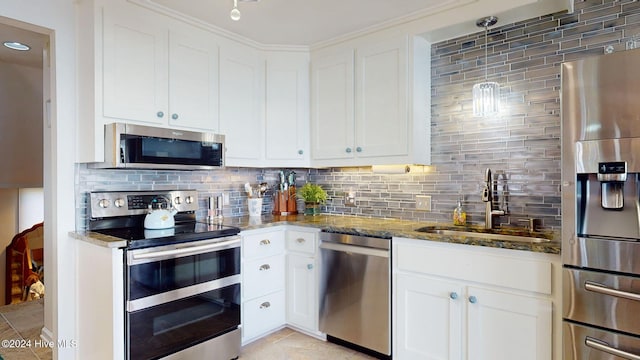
(521, 145)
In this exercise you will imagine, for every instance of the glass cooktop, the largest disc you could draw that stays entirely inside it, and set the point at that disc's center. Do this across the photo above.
(139, 237)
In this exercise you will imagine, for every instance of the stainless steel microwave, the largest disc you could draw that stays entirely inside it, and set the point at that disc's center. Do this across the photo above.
(130, 146)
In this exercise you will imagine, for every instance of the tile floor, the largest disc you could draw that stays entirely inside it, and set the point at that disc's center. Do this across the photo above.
(21, 324)
(20, 327)
(288, 344)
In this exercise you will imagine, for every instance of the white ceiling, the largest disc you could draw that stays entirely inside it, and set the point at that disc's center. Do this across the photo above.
(35, 40)
(301, 22)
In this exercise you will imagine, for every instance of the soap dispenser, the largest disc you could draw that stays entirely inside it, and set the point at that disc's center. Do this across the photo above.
(459, 215)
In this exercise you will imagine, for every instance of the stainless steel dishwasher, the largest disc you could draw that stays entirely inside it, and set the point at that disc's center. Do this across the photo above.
(355, 291)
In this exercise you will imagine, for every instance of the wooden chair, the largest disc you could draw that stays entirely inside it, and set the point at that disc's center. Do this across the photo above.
(24, 249)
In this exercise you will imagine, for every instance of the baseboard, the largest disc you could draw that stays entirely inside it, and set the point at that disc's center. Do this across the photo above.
(46, 335)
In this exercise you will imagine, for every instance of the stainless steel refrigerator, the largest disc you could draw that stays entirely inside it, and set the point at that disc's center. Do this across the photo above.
(600, 207)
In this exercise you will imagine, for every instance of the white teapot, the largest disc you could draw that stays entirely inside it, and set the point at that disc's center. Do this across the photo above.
(160, 218)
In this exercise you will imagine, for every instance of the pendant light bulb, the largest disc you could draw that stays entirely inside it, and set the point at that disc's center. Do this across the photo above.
(235, 13)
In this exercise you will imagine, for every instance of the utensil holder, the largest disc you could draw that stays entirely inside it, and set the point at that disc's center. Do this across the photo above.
(255, 206)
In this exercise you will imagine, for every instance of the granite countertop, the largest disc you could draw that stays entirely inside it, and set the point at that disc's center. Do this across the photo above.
(376, 227)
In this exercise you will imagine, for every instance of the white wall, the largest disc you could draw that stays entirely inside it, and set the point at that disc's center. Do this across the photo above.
(57, 19)
(30, 207)
(20, 126)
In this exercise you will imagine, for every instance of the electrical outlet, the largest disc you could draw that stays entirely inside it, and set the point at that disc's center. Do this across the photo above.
(350, 199)
(225, 199)
(423, 202)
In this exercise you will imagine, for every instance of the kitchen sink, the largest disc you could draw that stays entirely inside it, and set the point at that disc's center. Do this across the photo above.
(487, 234)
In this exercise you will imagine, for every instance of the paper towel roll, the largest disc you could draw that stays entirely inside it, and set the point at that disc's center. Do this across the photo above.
(390, 169)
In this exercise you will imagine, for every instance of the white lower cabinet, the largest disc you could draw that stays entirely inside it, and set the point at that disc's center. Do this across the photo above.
(448, 305)
(302, 280)
(262, 315)
(263, 285)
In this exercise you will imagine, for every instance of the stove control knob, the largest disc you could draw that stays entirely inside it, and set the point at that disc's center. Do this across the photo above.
(177, 200)
(189, 199)
(119, 203)
(104, 203)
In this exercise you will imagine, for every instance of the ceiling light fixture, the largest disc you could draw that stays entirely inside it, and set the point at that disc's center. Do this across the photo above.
(486, 95)
(16, 46)
(235, 13)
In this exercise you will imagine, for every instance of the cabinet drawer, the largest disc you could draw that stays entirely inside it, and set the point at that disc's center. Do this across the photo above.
(263, 244)
(301, 241)
(263, 314)
(262, 276)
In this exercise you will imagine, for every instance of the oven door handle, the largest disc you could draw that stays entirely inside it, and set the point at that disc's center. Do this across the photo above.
(603, 289)
(184, 251)
(605, 347)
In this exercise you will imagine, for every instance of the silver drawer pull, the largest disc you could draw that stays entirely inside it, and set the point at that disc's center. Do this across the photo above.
(265, 242)
(605, 347)
(265, 267)
(300, 240)
(265, 305)
(603, 289)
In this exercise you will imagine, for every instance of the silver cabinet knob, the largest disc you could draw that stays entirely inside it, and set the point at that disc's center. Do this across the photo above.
(300, 240)
(265, 267)
(174, 116)
(160, 114)
(473, 299)
(309, 266)
(265, 242)
(300, 152)
(453, 295)
(265, 305)
(359, 149)
(348, 150)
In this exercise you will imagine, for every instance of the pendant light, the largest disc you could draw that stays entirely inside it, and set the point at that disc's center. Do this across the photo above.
(486, 95)
(235, 13)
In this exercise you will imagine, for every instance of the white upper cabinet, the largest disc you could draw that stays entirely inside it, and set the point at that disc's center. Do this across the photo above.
(159, 71)
(332, 122)
(242, 104)
(193, 79)
(135, 67)
(382, 121)
(287, 109)
(362, 108)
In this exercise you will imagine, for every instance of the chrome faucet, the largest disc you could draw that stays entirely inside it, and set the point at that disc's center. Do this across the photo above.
(487, 197)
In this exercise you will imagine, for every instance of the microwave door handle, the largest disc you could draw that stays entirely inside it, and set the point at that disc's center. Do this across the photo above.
(605, 347)
(183, 251)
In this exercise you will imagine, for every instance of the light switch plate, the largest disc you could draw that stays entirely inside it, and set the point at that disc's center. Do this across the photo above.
(350, 199)
(423, 202)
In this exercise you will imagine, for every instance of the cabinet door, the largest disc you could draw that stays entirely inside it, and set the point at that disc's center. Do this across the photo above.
(135, 66)
(302, 294)
(193, 80)
(382, 119)
(241, 100)
(332, 123)
(428, 318)
(287, 109)
(505, 326)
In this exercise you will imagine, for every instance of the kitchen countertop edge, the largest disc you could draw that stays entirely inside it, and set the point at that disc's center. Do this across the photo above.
(353, 225)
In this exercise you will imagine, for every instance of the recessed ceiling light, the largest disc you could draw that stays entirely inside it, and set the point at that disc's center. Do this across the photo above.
(16, 46)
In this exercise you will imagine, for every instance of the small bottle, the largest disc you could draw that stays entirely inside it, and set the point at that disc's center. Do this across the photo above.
(459, 215)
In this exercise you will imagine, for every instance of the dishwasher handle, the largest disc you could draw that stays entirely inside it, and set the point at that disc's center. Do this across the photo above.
(360, 250)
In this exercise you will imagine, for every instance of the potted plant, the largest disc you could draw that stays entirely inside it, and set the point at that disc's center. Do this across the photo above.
(313, 195)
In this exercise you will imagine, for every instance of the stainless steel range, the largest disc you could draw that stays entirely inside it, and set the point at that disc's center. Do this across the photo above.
(182, 282)
(601, 207)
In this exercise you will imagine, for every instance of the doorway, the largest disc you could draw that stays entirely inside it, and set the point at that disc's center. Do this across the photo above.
(22, 110)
